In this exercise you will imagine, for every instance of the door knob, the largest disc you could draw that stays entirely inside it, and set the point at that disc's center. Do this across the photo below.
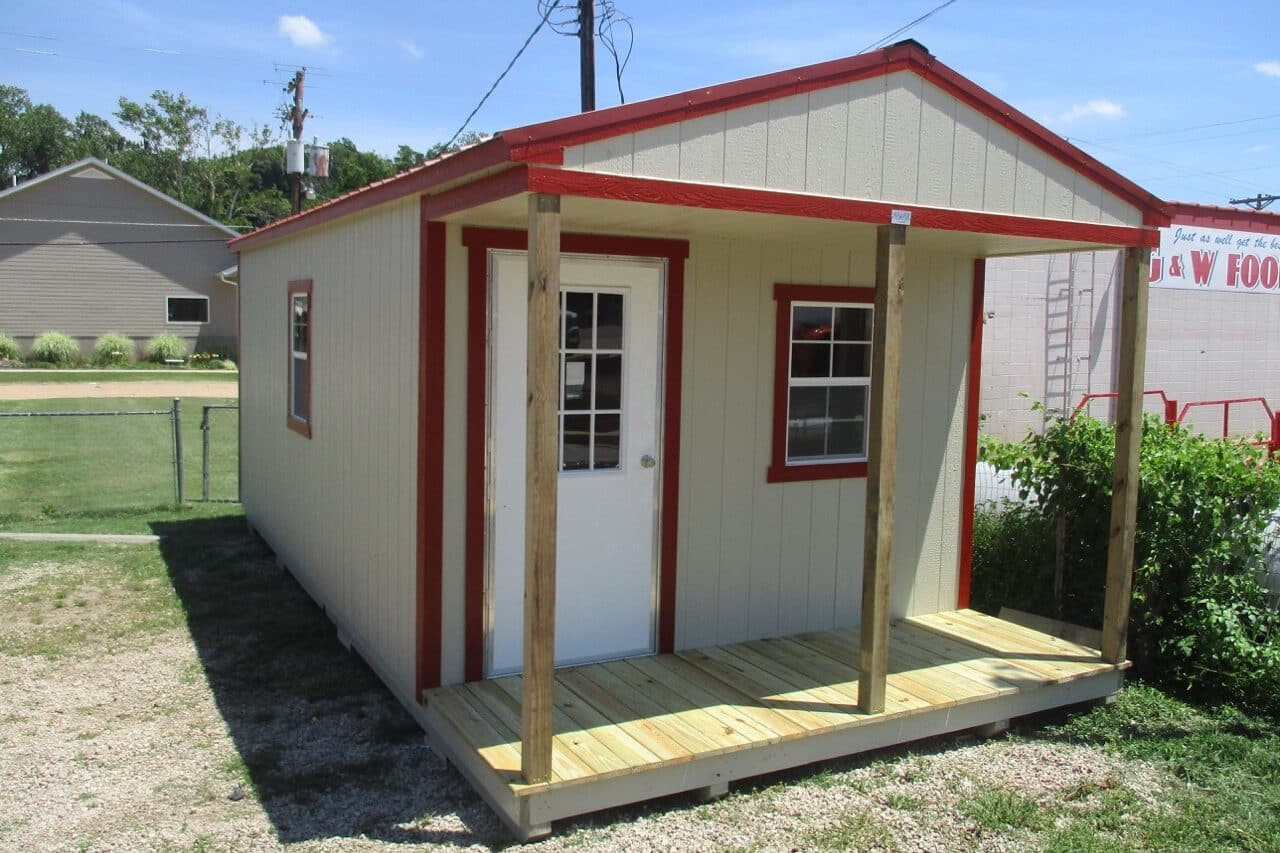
(647, 461)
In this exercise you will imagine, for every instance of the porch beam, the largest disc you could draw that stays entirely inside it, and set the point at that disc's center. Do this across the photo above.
(1124, 477)
(541, 472)
(882, 462)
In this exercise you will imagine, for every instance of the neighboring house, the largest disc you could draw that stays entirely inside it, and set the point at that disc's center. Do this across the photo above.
(88, 249)
(668, 518)
(1051, 335)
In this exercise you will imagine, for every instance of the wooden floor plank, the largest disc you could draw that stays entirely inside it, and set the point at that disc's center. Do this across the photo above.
(779, 696)
(476, 728)
(564, 764)
(984, 667)
(901, 693)
(730, 706)
(816, 668)
(616, 697)
(596, 723)
(956, 680)
(988, 632)
(570, 736)
(1051, 663)
(721, 725)
(645, 731)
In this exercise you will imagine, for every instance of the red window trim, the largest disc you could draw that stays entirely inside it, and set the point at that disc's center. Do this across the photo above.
(973, 400)
(786, 294)
(301, 427)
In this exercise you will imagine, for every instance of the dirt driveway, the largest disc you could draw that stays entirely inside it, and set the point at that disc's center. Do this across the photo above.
(150, 388)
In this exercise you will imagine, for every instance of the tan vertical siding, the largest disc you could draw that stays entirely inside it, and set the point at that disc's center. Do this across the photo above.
(340, 508)
(759, 559)
(893, 138)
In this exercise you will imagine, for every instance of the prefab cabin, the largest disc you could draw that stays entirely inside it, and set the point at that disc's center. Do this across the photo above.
(634, 449)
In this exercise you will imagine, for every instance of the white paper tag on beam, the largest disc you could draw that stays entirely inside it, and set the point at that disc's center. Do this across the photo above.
(900, 217)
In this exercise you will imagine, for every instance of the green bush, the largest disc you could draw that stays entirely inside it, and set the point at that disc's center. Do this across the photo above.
(8, 348)
(112, 348)
(1200, 620)
(162, 348)
(55, 348)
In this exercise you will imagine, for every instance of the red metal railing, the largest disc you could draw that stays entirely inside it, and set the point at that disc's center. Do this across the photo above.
(1174, 415)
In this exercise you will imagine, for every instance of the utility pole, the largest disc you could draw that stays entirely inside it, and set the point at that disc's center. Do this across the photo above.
(587, 52)
(297, 115)
(1258, 202)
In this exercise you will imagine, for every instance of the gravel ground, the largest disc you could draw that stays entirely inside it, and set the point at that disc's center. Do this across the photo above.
(149, 388)
(161, 734)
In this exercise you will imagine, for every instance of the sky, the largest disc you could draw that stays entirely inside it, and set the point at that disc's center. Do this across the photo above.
(1182, 97)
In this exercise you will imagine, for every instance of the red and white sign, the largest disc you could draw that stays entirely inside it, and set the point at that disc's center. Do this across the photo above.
(1195, 258)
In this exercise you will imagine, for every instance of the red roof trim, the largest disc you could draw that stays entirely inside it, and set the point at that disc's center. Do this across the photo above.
(534, 141)
(499, 185)
(1219, 216)
(715, 197)
(416, 180)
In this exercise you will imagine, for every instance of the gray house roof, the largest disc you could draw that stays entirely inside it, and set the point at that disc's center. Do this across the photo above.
(94, 163)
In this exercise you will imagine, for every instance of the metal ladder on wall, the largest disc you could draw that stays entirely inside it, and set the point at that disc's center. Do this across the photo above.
(1069, 313)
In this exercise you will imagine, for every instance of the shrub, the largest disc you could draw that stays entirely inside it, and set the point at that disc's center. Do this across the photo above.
(1200, 620)
(8, 348)
(55, 348)
(162, 348)
(112, 348)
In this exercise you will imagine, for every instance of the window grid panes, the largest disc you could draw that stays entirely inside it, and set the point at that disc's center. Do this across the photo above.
(591, 348)
(828, 382)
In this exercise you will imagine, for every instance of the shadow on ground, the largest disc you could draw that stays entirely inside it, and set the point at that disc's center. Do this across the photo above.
(322, 743)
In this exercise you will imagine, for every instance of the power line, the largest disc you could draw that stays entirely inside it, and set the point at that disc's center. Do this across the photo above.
(902, 29)
(1150, 133)
(551, 8)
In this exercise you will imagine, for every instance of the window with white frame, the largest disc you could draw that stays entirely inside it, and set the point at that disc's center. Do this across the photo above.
(822, 383)
(187, 309)
(299, 415)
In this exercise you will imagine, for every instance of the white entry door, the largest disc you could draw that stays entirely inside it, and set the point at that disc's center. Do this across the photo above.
(606, 566)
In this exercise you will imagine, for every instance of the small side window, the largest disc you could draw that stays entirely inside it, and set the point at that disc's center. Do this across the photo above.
(299, 380)
(187, 309)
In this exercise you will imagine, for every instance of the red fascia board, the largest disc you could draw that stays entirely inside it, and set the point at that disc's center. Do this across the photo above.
(536, 141)
(486, 155)
(491, 188)
(581, 244)
(715, 197)
(1219, 216)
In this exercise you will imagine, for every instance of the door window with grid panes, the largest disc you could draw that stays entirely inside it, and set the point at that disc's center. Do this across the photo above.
(591, 367)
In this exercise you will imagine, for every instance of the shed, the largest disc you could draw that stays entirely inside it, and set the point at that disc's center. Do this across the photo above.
(633, 449)
(89, 249)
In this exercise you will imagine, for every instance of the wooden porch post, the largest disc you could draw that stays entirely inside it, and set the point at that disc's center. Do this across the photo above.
(877, 554)
(1124, 477)
(542, 468)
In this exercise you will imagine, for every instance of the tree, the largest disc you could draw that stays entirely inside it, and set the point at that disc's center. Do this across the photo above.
(93, 136)
(350, 168)
(406, 158)
(168, 127)
(33, 137)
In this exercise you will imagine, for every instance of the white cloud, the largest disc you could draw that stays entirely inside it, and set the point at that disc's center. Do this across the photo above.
(411, 49)
(1100, 107)
(302, 31)
(1271, 68)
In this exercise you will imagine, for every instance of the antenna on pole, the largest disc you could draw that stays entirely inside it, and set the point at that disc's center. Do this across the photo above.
(587, 53)
(1258, 202)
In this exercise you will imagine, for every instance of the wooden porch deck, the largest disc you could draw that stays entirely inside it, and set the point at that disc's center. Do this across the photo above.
(631, 730)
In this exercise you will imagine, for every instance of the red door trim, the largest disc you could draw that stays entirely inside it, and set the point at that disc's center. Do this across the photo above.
(718, 197)
(478, 242)
(431, 402)
(973, 400)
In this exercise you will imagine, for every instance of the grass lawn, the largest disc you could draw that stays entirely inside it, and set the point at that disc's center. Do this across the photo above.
(14, 377)
(55, 468)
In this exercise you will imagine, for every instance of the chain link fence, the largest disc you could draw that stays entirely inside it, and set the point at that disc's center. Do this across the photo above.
(87, 455)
